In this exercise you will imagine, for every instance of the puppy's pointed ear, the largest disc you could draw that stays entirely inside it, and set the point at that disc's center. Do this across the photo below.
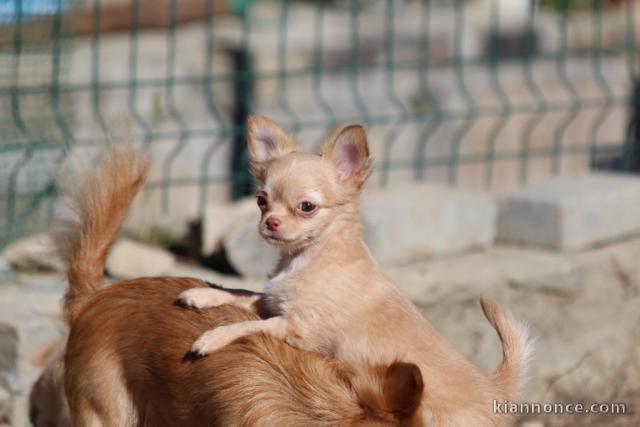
(403, 388)
(267, 141)
(348, 150)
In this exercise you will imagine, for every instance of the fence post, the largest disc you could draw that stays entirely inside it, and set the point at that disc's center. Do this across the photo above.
(243, 93)
(633, 130)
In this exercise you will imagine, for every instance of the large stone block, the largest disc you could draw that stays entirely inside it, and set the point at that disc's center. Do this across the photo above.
(129, 260)
(425, 220)
(34, 252)
(248, 253)
(220, 219)
(571, 212)
(234, 226)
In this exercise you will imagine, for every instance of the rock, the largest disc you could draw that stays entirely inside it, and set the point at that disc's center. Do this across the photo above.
(8, 347)
(564, 284)
(571, 212)
(129, 259)
(427, 282)
(417, 221)
(248, 253)
(8, 367)
(30, 303)
(531, 423)
(35, 252)
(220, 219)
(6, 407)
(5, 269)
(586, 329)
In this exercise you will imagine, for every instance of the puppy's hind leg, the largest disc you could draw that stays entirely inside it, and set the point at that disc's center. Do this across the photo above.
(83, 415)
(215, 296)
(96, 390)
(109, 411)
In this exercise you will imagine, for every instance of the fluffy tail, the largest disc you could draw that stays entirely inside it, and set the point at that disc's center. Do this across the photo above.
(99, 208)
(517, 348)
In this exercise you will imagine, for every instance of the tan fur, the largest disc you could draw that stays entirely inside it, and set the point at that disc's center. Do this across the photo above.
(516, 351)
(356, 134)
(47, 353)
(254, 381)
(126, 358)
(329, 295)
(276, 142)
(100, 207)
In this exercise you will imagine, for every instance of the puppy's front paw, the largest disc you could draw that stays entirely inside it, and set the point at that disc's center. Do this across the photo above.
(201, 298)
(213, 340)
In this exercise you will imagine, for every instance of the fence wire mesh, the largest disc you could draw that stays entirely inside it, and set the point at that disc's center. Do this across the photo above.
(483, 94)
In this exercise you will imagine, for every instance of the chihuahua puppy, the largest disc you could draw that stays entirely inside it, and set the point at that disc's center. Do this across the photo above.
(328, 295)
(126, 359)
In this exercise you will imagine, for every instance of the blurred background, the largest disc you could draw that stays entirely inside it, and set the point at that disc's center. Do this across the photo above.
(505, 137)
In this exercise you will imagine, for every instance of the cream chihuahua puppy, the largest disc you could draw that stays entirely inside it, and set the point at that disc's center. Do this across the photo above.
(328, 295)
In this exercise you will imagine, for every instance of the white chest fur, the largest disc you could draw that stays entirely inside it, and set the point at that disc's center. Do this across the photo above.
(276, 285)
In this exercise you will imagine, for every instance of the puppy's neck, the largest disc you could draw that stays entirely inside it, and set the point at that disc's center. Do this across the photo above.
(341, 235)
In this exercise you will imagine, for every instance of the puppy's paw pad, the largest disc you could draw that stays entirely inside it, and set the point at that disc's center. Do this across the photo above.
(197, 298)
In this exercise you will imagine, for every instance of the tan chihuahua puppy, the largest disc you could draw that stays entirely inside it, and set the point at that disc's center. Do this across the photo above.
(327, 293)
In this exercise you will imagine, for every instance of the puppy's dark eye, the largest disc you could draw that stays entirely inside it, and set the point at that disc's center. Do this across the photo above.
(262, 201)
(307, 207)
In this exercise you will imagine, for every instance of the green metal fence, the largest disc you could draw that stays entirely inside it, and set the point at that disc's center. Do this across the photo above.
(485, 94)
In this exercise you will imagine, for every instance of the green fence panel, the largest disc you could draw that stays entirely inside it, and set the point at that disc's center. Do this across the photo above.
(482, 94)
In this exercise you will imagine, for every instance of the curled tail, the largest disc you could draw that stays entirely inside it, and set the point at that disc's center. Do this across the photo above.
(517, 349)
(99, 207)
